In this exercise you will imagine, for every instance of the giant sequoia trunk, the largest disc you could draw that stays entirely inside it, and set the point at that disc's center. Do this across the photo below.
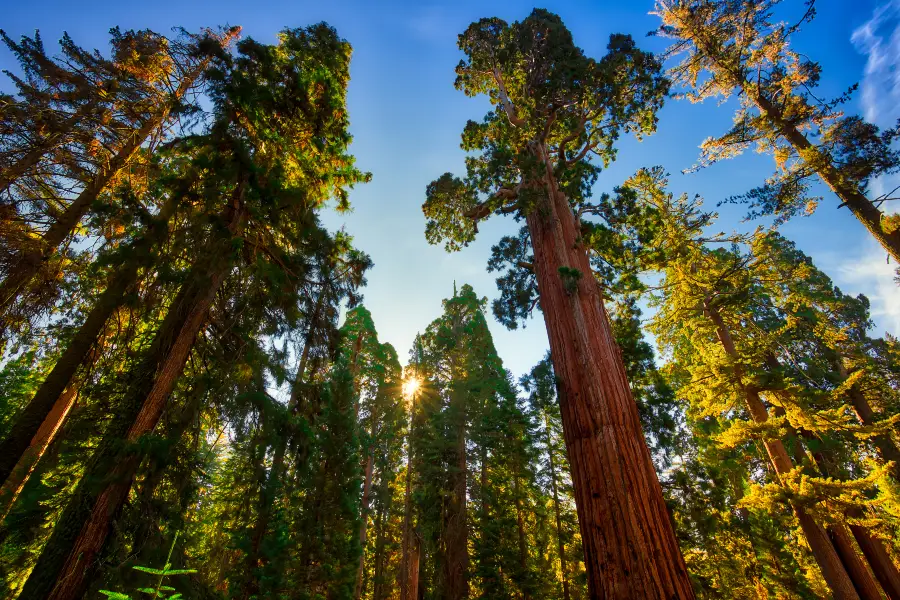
(824, 552)
(629, 543)
(71, 554)
(19, 440)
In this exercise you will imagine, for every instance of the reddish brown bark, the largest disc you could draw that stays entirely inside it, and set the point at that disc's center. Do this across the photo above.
(22, 470)
(879, 560)
(629, 544)
(823, 550)
(862, 579)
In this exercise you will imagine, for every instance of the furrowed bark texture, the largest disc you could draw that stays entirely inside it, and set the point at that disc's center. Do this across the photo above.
(629, 543)
(824, 552)
(67, 561)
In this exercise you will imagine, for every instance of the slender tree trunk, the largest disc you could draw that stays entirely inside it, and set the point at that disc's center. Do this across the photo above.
(378, 591)
(29, 421)
(880, 560)
(826, 556)
(862, 579)
(22, 470)
(456, 563)
(20, 276)
(70, 555)
(561, 548)
(629, 543)
(407, 587)
(848, 191)
(33, 157)
(840, 537)
(887, 449)
(364, 517)
(523, 544)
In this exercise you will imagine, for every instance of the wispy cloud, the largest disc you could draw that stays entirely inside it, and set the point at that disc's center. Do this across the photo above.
(870, 274)
(878, 39)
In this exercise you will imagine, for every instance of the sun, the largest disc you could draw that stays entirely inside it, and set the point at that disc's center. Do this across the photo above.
(411, 386)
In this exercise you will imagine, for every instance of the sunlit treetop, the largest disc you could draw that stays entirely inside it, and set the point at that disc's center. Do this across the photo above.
(741, 48)
(555, 111)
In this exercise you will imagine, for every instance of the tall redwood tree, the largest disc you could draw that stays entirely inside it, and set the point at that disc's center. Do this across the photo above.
(555, 110)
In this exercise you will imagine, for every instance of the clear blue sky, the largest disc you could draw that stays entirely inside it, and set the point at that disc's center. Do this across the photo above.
(406, 120)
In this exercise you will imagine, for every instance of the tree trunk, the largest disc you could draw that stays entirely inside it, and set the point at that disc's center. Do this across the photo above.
(554, 487)
(849, 193)
(523, 544)
(629, 543)
(824, 552)
(407, 588)
(25, 428)
(456, 563)
(31, 262)
(878, 558)
(22, 470)
(862, 579)
(887, 449)
(70, 555)
(364, 514)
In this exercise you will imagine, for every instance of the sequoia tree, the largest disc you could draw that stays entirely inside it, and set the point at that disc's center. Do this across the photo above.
(554, 111)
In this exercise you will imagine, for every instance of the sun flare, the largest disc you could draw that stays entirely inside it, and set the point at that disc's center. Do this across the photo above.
(411, 386)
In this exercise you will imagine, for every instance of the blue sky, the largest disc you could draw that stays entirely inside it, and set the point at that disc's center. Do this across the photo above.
(406, 120)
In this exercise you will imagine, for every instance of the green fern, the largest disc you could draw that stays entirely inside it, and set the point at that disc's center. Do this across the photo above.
(160, 591)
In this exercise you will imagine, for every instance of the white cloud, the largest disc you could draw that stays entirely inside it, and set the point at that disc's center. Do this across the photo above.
(869, 273)
(878, 39)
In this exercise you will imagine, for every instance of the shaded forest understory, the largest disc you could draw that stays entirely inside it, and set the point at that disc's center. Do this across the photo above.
(194, 401)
